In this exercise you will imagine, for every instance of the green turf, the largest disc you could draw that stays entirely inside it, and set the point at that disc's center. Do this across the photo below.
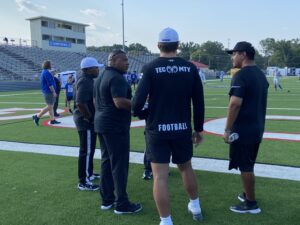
(40, 189)
(216, 100)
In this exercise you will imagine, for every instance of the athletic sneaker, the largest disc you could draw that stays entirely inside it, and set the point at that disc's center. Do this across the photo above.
(56, 115)
(246, 207)
(94, 176)
(128, 208)
(242, 197)
(106, 206)
(195, 211)
(147, 175)
(54, 122)
(35, 120)
(87, 187)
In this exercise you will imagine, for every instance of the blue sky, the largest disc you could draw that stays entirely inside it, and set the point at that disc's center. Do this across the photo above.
(226, 21)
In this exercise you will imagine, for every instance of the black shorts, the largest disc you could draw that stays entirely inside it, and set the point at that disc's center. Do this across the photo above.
(243, 156)
(69, 98)
(161, 150)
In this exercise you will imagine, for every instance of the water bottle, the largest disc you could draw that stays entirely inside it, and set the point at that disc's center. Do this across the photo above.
(232, 137)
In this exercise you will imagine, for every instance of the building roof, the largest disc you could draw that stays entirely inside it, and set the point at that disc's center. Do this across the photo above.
(49, 18)
(199, 65)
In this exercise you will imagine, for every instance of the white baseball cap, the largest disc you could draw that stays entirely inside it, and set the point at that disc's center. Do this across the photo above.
(89, 62)
(168, 35)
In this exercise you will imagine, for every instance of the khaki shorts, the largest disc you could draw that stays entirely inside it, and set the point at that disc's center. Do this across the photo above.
(49, 99)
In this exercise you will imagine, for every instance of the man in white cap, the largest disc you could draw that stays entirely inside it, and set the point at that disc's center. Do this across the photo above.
(84, 119)
(171, 83)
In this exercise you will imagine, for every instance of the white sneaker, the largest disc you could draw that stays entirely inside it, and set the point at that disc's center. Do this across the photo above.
(163, 223)
(195, 211)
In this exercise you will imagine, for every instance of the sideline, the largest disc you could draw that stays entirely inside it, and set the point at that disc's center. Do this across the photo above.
(205, 164)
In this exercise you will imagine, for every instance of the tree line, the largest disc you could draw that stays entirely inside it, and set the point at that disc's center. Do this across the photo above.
(280, 53)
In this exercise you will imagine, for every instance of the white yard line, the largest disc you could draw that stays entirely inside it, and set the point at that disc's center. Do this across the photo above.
(205, 164)
(31, 93)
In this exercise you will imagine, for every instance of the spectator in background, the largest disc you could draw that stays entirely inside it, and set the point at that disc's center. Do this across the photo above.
(5, 39)
(133, 79)
(58, 89)
(202, 76)
(84, 112)
(276, 79)
(69, 92)
(49, 92)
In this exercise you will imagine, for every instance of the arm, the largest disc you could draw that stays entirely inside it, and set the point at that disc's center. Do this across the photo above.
(84, 110)
(233, 111)
(198, 110)
(53, 91)
(122, 103)
(141, 95)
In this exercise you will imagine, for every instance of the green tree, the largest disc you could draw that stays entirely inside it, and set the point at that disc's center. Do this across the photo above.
(186, 49)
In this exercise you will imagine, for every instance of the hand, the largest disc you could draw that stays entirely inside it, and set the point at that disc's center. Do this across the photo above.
(226, 136)
(197, 138)
(54, 94)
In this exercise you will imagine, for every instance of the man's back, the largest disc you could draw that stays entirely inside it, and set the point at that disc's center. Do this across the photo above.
(171, 83)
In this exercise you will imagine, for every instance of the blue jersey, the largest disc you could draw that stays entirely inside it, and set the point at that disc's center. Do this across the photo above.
(47, 80)
(69, 90)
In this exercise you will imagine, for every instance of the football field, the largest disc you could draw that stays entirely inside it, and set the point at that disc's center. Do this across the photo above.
(41, 189)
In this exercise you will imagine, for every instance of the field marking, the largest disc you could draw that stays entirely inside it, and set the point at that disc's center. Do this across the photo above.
(217, 126)
(13, 110)
(204, 164)
(32, 93)
(226, 107)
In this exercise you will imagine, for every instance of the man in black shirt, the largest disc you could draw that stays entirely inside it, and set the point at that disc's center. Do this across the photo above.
(58, 89)
(112, 122)
(246, 121)
(171, 83)
(84, 113)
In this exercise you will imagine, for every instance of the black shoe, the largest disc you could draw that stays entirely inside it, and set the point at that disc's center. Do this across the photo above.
(147, 175)
(87, 187)
(70, 110)
(242, 197)
(128, 208)
(94, 176)
(54, 122)
(36, 120)
(56, 115)
(246, 207)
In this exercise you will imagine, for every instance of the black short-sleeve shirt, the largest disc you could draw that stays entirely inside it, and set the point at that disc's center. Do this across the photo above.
(172, 85)
(83, 93)
(108, 118)
(251, 85)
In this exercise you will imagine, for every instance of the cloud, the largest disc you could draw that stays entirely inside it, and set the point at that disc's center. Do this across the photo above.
(97, 27)
(28, 6)
(92, 12)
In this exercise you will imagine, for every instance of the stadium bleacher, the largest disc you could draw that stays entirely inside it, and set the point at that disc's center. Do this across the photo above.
(24, 62)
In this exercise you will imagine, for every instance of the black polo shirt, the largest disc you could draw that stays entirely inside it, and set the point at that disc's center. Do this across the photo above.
(250, 84)
(108, 118)
(172, 84)
(83, 93)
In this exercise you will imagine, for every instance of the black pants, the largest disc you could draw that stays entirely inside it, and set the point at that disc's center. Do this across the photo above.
(86, 154)
(114, 167)
(147, 160)
(56, 104)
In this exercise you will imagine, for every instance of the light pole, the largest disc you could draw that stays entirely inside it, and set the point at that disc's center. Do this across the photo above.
(123, 25)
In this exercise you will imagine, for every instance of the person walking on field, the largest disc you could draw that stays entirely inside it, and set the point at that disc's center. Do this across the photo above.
(48, 87)
(245, 121)
(171, 84)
